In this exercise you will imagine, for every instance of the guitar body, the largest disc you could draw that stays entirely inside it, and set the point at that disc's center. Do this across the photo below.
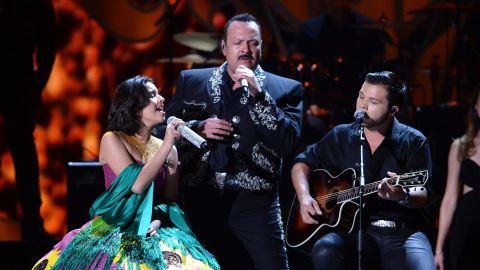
(325, 188)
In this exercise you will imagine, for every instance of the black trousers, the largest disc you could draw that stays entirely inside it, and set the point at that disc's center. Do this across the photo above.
(243, 229)
(384, 248)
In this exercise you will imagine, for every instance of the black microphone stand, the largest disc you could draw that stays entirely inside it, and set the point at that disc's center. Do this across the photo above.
(361, 191)
(169, 16)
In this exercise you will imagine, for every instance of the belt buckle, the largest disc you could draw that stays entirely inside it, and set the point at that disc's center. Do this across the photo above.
(384, 223)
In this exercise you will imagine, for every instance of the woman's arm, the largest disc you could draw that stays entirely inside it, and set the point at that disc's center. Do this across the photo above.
(170, 193)
(154, 164)
(115, 154)
(449, 201)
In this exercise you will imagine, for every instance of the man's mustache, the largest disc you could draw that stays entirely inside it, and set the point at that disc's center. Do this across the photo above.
(245, 56)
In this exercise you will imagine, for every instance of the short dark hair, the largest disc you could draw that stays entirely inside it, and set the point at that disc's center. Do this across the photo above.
(244, 17)
(397, 90)
(130, 97)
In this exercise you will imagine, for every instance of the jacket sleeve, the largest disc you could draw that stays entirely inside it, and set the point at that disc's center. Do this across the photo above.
(279, 122)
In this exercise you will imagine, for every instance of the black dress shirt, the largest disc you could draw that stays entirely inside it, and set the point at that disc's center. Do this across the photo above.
(404, 150)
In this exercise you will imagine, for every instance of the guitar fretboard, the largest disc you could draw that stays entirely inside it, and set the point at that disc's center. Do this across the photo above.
(404, 180)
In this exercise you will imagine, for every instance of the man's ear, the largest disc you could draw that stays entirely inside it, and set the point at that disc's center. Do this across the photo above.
(394, 110)
(223, 47)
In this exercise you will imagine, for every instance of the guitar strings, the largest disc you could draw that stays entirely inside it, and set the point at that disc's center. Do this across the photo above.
(329, 197)
(335, 196)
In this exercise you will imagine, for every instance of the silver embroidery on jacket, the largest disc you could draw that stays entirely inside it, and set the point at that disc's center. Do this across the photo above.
(260, 114)
(263, 161)
(205, 156)
(216, 81)
(264, 114)
(244, 179)
(196, 103)
(190, 123)
(266, 159)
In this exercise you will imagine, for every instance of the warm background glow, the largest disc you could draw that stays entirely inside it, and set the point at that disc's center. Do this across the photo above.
(90, 63)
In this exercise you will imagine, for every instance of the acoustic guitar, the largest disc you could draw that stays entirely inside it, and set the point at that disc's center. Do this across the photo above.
(337, 200)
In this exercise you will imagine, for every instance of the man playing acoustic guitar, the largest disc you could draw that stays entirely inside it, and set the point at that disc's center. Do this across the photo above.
(396, 167)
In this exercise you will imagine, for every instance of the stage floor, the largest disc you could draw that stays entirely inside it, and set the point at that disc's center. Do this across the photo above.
(21, 255)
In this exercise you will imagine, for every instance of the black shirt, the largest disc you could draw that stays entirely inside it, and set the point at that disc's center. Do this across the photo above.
(222, 149)
(404, 150)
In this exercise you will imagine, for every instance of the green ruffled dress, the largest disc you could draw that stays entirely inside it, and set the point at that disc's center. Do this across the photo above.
(116, 238)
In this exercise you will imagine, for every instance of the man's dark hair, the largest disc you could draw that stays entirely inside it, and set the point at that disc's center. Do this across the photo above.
(244, 17)
(397, 90)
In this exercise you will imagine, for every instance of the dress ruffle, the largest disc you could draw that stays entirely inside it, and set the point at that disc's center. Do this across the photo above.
(98, 245)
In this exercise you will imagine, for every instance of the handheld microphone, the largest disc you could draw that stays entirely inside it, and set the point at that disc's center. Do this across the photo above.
(244, 84)
(190, 135)
(359, 116)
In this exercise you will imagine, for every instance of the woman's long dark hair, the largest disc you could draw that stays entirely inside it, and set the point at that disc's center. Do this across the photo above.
(125, 113)
(467, 146)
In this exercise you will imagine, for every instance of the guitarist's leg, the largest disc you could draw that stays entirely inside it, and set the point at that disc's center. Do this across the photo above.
(339, 251)
(419, 252)
(403, 249)
(333, 251)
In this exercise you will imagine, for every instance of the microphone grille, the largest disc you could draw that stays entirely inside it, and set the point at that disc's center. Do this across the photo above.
(244, 82)
(359, 115)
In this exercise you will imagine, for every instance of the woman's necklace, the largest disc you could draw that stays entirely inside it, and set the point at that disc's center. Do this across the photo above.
(146, 149)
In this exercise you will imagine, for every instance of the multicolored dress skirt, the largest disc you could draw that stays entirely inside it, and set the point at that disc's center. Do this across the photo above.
(98, 245)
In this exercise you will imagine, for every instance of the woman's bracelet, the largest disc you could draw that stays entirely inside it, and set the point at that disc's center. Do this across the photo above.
(439, 252)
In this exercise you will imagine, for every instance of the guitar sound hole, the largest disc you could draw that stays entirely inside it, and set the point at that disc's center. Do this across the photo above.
(332, 202)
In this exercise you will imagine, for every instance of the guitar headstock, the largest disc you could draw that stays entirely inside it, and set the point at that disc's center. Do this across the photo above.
(413, 179)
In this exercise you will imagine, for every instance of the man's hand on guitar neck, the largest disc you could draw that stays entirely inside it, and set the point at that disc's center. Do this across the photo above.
(411, 198)
(390, 192)
(308, 209)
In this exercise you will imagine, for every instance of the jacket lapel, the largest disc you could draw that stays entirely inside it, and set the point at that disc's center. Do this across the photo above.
(215, 88)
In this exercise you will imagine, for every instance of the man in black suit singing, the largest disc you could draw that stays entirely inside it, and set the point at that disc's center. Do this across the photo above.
(252, 120)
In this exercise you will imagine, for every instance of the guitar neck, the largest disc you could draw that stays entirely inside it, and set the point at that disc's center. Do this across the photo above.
(354, 193)
(402, 180)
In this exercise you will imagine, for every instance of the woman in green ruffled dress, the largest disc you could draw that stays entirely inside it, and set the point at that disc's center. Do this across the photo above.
(129, 229)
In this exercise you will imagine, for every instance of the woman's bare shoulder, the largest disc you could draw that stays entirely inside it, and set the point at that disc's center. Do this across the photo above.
(111, 141)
